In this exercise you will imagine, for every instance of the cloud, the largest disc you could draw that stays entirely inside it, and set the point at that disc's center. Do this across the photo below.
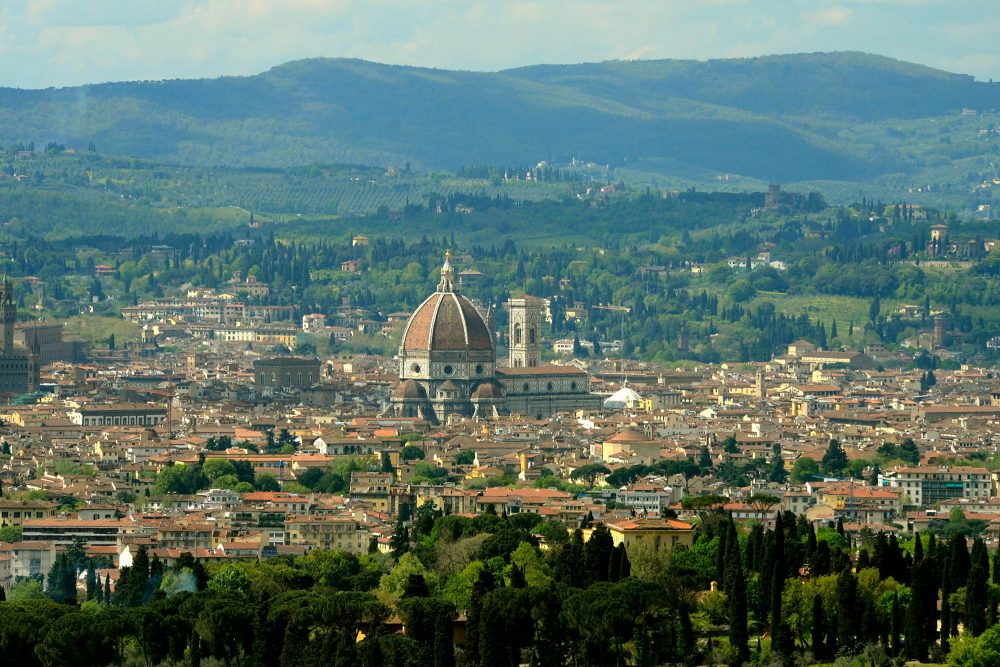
(66, 42)
(832, 16)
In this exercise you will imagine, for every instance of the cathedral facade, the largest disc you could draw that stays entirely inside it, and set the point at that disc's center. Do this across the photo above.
(448, 366)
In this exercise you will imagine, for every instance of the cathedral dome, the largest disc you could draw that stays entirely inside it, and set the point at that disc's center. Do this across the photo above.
(409, 390)
(446, 321)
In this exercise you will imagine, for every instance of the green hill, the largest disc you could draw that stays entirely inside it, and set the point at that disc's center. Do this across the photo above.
(815, 117)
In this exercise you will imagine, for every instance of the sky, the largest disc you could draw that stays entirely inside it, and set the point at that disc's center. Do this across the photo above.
(70, 42)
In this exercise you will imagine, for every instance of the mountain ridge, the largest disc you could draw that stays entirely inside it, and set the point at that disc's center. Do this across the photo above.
(784, 117)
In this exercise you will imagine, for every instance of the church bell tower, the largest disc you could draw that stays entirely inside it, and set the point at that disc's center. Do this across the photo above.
(9, 314)
(525, 332)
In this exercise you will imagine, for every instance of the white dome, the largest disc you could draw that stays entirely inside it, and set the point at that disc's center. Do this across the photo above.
(625, 397)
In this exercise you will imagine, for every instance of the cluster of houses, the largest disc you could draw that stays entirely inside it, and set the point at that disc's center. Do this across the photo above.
(79, 466)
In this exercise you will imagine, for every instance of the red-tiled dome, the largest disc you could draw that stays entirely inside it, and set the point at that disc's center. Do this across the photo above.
(408, 389)
(446, 321)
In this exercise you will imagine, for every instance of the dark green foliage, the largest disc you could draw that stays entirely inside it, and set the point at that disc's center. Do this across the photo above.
(848, 614)
(835, 459)
(977, 590)
(737, 591)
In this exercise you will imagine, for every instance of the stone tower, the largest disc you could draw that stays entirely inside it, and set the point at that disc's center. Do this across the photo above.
(34, 364)
(9, 314)
(525, 332)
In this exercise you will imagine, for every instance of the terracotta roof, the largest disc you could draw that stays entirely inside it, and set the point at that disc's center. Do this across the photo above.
(446, 321)
(409, 389)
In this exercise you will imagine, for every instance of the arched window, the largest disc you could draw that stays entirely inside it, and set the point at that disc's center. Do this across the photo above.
(531, 335)
(517, 334)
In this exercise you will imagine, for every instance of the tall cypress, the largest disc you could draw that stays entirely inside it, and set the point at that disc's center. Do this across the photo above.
(945, 606)
(737, 590)
(818, 629)
(847, 611)
(918, 549)
(720, 556)
(976, 590)
(896, 625)
(959, 561)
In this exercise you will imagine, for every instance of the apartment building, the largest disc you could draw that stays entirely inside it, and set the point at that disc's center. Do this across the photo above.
(338, 533)
(929, 485)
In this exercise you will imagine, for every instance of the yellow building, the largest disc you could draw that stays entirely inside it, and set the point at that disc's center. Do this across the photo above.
(649, 535)
(337, 533)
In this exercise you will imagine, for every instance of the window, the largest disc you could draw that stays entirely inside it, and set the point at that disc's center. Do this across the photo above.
(448, 370)
(415, 369)
(531, 335)
(517, 334)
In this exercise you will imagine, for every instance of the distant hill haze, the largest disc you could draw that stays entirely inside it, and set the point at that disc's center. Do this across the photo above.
(785, 118)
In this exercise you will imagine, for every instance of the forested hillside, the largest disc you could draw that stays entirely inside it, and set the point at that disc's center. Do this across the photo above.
(842, 116)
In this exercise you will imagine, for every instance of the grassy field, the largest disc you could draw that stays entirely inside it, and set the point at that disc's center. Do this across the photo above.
(823, 307)
(96, 329)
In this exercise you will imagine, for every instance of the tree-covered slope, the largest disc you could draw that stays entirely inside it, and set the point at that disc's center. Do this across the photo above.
(780, 118)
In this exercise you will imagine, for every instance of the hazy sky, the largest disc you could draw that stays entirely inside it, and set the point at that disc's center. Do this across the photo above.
(66, 42)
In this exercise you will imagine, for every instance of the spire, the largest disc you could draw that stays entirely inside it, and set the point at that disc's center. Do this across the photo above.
(447, 283)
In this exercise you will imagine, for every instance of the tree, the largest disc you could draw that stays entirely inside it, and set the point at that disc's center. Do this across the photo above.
(908, 452)
(400, 540)
(976, 590)
(411, 452)
(60, 584)
(778, 474)
(590, 472)
(835, 459)
(704, 458)
(597, 553)
(818, 628)
(737, 591)
(804, 470)
(847, 611)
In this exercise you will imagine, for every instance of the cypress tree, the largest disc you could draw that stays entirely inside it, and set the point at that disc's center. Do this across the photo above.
(996, 567)
(721, 555)
(737, 589)
(818, 629)
(976, 590)
(484, 584)
(92, 585)
(896, 625)
(945, 606)
(920, 623)
(918, 549)
(847, 612)
(959, 561)
(625, 565)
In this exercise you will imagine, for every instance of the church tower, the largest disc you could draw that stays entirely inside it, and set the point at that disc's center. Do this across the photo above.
(525, 332)
(34, 364)
(9, 314)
